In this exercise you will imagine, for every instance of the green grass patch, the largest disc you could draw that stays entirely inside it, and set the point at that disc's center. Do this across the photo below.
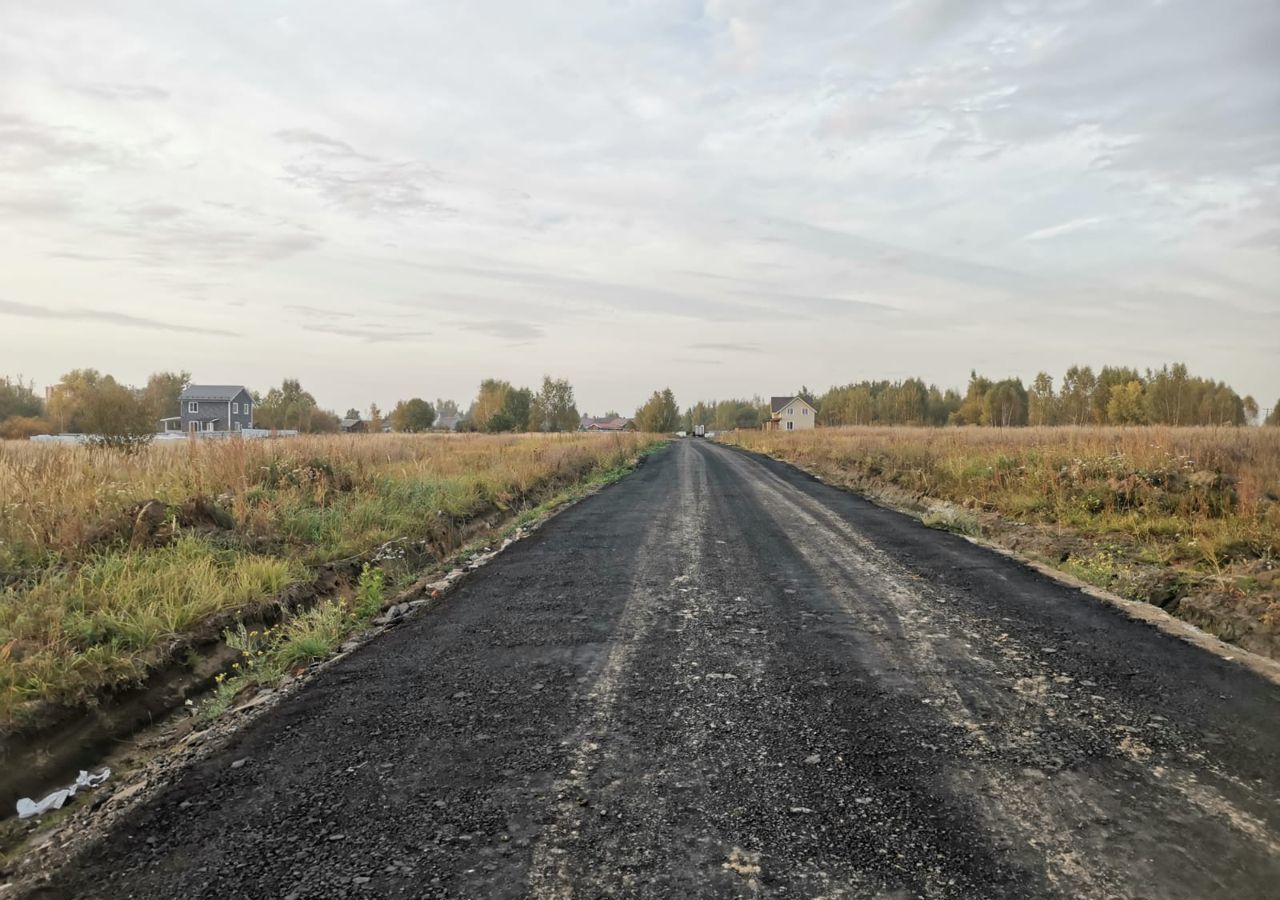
(74, 632)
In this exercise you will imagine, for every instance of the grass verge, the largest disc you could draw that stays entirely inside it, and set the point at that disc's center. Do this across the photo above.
(109, 564)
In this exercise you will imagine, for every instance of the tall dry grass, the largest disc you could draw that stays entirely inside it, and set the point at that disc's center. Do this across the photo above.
(95, 581)
(54, 498)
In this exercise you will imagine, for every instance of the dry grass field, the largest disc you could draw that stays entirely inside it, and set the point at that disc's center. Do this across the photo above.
(107, 560)
(1187, 518)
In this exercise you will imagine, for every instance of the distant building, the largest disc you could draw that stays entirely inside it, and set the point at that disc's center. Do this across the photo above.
(791, 414)
(212, 408)
(447, 423)
(618, 423)
(353, 426)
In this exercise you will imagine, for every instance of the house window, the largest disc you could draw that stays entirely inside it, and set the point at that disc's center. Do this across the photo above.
(246, 409)
(790, 426)
(193, 406)
(235, 409)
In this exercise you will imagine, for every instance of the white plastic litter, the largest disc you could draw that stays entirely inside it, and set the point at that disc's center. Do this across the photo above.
(28, 807)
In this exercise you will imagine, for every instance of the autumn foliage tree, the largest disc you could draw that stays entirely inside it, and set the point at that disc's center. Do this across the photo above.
(490, 399)
(413, 415)
(115, 414)
(554, 408)
(659, 414)
(726, 415)
(1126, 406)
(21, 410)
(160, 396)
(1005, 404)
(87, 402)
(973, 405)
(19, 398)
(1075, 401)
(516, 412)
(1042, 405)
(289, 407)
(69, 397)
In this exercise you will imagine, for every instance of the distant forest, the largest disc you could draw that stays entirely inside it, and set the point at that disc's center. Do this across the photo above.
(90, 402)
(1115, 395)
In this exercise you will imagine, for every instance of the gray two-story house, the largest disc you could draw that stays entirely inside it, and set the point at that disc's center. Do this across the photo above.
(213, 407)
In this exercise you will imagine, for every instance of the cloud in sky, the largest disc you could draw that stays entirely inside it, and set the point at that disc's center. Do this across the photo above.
(504, 329)
(370, 334)
(726, 347)
(84, 316)
(1053, 231)
(135, 92)
(730, 196)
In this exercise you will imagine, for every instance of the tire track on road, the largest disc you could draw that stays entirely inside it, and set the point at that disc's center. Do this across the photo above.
(673, 544)
(1002, 710)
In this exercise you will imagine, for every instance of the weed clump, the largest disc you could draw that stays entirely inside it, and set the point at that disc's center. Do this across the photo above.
(953, 520)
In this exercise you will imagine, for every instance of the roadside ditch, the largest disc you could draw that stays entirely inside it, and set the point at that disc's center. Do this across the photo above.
(187, 707)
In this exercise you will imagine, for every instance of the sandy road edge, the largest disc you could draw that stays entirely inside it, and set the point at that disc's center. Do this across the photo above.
(1135, 609)
(171, 754)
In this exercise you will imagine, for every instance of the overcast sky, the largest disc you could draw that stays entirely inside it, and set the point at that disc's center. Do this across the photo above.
(387, 199)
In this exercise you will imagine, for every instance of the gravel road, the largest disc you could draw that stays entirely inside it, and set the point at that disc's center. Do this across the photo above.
(722, 678)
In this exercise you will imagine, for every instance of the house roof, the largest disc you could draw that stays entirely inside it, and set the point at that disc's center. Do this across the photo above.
(778, 404)
(212, 392)
(609, 424)
(347, 423)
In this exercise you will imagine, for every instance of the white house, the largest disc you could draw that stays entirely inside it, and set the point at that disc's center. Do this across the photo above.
(791, 414)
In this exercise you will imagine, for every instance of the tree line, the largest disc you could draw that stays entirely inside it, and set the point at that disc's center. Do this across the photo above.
(726, 415)
(499, 406)
(1115, 395)
(86, 401)
(89, 402)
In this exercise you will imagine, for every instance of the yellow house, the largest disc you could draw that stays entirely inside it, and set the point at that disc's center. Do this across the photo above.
(791, 414)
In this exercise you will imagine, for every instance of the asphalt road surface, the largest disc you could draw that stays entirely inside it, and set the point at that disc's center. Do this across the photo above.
(722, 678)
